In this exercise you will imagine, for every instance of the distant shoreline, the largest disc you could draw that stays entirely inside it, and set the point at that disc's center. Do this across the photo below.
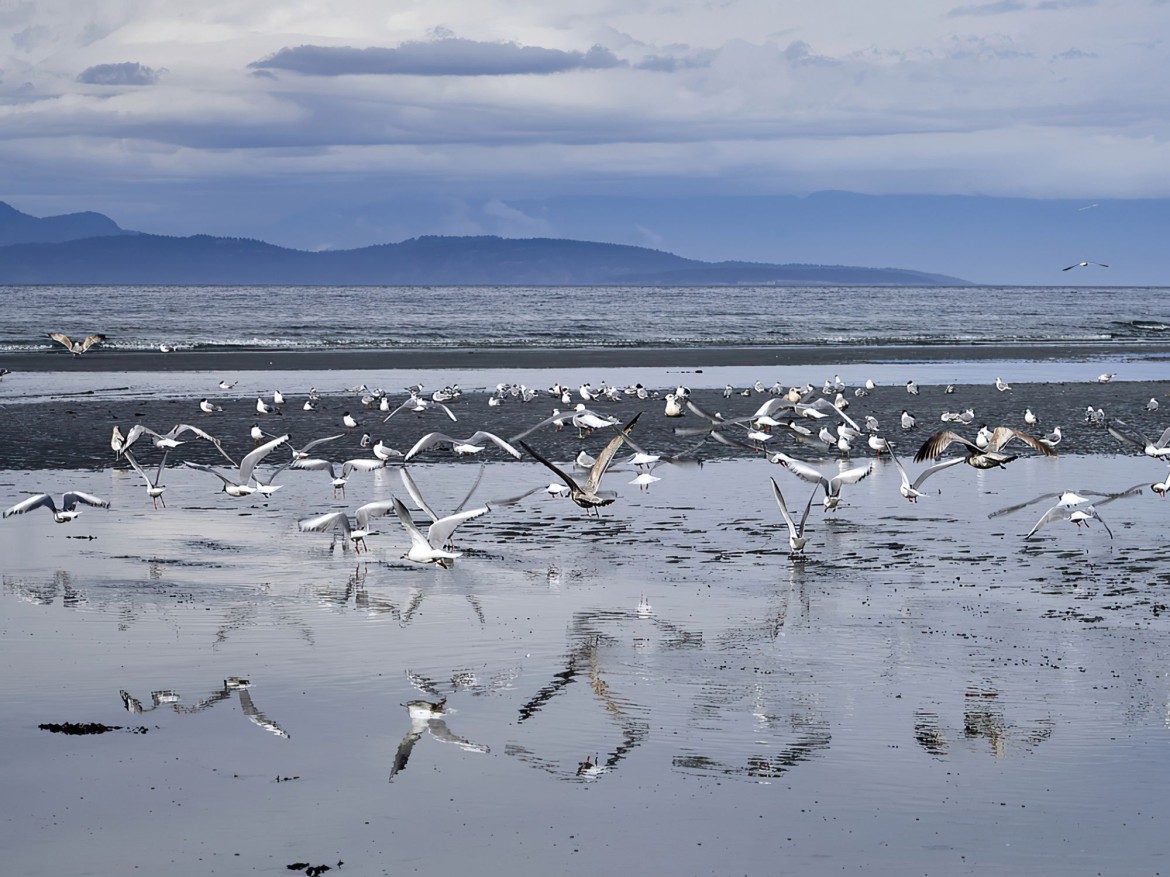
(110, 360)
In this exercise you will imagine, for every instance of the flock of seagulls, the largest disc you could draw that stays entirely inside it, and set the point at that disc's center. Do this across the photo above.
(800, 414)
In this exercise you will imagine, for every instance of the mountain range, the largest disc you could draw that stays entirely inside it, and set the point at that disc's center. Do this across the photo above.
(90, 248)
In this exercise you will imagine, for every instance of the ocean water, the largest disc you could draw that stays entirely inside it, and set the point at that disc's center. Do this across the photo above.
(312, 318)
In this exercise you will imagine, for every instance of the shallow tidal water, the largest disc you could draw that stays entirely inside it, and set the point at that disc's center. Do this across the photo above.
(661, 690)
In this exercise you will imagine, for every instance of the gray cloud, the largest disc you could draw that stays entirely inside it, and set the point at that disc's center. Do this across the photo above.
(998, 8)
(1064, 4)
(441, 57)
(1074, 54)
(126, 73)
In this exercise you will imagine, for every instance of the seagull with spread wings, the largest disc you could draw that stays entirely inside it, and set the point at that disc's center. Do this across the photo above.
(77, 347)
(64, 513)
(989, 457)
(588, 495)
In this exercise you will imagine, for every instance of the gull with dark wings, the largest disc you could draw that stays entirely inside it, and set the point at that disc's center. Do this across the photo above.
(988, 457)
(588, 495)
(77, 347)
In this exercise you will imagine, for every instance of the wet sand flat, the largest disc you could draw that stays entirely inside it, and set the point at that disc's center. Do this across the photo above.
(660, 688)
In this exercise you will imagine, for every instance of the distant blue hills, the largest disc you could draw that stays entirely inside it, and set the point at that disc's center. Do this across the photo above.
(89, 248)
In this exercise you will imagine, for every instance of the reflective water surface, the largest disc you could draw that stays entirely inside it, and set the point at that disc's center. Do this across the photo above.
(660, 689)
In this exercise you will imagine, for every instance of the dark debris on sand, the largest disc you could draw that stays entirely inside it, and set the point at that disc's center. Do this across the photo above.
(79, 728)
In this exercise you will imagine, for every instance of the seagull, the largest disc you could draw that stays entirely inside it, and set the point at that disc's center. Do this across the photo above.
(263, 407)
(909, 489)
(339, 481)
(1152, 405)
(644, 480)
(1030, 418)
(1084, 265)
(153, 489)
(418, 405)
(1053, 438)
(428, 548)
(1106, 377)
(832, 486)
(587, 496)
(349, 421)
(340, 520)
(1078, 515)
(912, 388)
(473, 444)
(384, 452)
(796, 537)
(208, 407)
(908, 419)
(1161, 487)
(68, 510)
(169, 440)
(75, 347)
(224, 385)
(239, 486)
(981, 458)
(1071, 498)
(1158, 450)
(117, 441)
(674, 406)
(302, 453)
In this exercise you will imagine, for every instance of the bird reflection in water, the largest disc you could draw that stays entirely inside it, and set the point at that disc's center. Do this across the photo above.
(354, 593)
(983, 719)
(233, 684)
(45, 593)
(427, 717)
(594, 634)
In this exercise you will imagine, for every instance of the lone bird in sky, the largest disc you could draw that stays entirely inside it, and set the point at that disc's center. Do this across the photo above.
(1084, 265)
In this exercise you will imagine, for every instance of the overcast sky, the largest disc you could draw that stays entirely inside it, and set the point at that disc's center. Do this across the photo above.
(231, 117)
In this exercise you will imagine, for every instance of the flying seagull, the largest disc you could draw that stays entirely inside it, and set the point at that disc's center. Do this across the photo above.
(77, 347)
(981, 458)
(587, 495)
(68, 510)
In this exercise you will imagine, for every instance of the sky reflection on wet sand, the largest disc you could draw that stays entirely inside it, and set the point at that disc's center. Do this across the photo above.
(925, 692)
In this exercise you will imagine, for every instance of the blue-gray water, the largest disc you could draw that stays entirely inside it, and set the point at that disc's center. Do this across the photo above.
(323, 317)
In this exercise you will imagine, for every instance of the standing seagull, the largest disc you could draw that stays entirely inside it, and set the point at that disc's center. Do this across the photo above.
(68, 510)
(74, 347)
(796, 537)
